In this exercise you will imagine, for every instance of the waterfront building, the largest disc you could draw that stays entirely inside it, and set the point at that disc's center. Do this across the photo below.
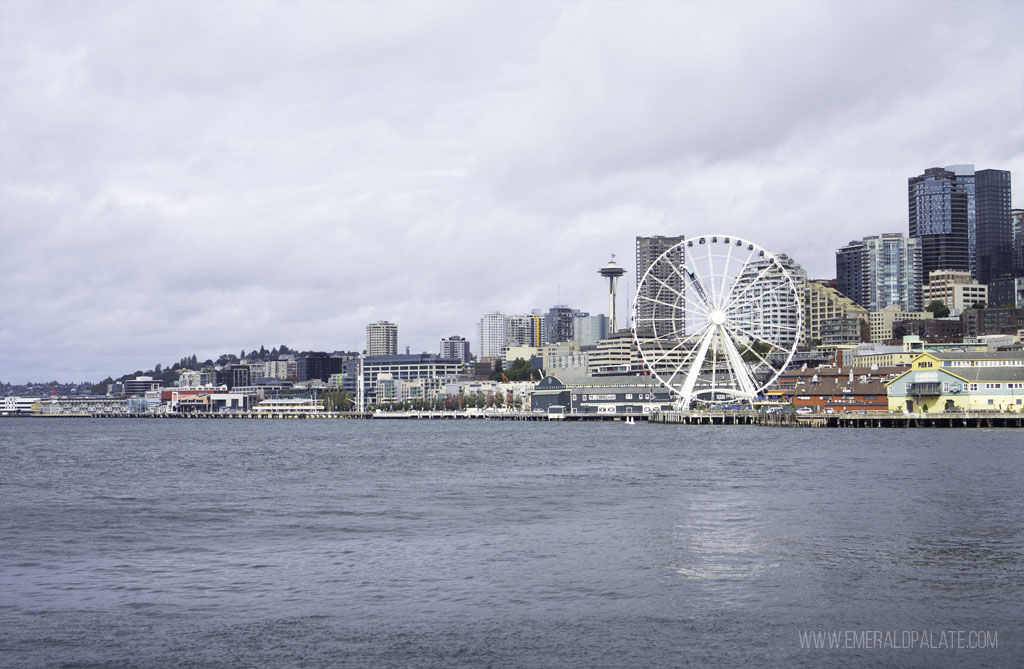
(455, 348)
(140, 385)
(526, 330)
(956, 289)
(835, 389)
(492, 335)
(13, 406)
(822, 303)
(881, 321)
(960, 381)
(1007, 292)
(405, 368)
(583, 394)
(281, 407)
(993, 225)
(648, 250)
(381, 338)
(941, 208)
(81, 405)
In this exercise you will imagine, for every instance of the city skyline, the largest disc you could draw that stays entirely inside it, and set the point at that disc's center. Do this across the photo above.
(153, 206)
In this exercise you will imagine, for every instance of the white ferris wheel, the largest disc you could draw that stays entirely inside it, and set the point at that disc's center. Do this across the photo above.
(716, 319)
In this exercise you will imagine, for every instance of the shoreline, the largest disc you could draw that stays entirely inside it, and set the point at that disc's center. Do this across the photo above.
(758, 419)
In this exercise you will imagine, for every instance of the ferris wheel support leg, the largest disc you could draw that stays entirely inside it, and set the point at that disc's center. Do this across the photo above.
(743, 377)
(691, 377)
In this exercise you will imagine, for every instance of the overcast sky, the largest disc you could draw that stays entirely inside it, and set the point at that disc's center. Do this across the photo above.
(180, 178)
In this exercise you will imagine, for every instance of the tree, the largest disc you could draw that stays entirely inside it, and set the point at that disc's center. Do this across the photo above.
(938, 309)
(519, 370)
(497, 371)
(978, 305)
(756, 351)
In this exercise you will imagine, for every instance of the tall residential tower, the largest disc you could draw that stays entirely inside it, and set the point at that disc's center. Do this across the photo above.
(381, 338)
(649, 249)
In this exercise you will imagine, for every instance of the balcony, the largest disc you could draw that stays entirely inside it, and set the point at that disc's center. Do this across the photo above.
(921, 389)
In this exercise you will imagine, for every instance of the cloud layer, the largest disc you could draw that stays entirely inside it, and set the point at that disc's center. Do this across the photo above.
(199, 178)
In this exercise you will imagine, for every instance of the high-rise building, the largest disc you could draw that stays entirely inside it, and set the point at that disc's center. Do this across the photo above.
(648, 250)
(455, 348)
(994, 225)
(765, 311)
(957, 290)
(526, 330)
(381, 338)
(823, 303)
(1017, 216)
(850, 272)
(892, 272)
(492, 334)
(941, 205)
(588, 330)
(560, 324)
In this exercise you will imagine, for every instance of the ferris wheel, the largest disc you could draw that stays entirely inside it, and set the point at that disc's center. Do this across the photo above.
(716, 319)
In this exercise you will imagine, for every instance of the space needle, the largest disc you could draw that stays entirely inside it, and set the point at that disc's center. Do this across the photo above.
(612, 272)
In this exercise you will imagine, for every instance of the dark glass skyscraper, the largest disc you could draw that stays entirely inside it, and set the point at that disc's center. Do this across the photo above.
(850, 271)
(942, 215)
(994, 225)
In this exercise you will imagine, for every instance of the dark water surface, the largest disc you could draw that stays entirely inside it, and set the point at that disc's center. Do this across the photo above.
(483, 544)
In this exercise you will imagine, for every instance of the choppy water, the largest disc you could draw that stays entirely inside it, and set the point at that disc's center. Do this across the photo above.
(479, 544)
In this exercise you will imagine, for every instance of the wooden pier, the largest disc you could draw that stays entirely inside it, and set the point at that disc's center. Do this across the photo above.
(851, 420)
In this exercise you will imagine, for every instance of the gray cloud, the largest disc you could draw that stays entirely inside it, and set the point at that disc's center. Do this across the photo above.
(199, 178)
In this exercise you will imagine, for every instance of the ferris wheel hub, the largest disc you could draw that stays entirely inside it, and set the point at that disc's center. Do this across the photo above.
(717, 316)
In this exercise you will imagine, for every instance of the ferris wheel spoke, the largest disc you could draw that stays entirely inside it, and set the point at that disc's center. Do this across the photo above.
(756, 281)
(760, 297)
(657, 301)
(725, 276)
(714, 363)
(750, 349)
(774, 326)
(744, 375)
(682, 363)
(711, 279)
(694, 372)
(668, 353)
(700, 304)
(659, 280)
(732, 286)
(757, 337)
